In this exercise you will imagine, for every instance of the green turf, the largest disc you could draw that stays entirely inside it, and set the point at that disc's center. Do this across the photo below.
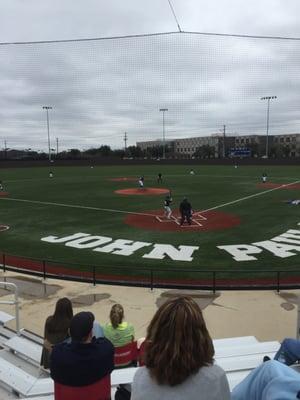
(262, 217)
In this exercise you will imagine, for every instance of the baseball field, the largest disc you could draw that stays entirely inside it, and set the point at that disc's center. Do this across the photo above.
(99, 216)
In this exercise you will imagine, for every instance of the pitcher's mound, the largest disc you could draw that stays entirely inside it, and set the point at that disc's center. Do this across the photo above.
(201, 221)
(143, 191)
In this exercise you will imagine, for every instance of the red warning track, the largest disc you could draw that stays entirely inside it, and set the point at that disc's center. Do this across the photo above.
(270, 185)
(143, 191)
(125, 179)
(26, 265)
(3, 194)
(206, 221)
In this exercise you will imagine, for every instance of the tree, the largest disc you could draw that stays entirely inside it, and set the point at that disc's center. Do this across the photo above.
(105, 151)
(285, 150)
(74, 153)
(119, 153)
(134, 151)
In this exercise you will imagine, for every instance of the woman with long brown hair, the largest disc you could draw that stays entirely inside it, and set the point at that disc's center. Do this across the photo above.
(179, 355)
(56, 328)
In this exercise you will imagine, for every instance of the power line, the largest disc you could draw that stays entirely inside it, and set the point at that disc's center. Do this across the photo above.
(242, 36)
(172, 9)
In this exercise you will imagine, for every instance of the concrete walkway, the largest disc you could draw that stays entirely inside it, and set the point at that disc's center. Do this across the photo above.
(263, 314)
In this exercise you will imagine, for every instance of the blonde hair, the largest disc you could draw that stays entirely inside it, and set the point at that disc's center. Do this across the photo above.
(116, 315)
(177, 343)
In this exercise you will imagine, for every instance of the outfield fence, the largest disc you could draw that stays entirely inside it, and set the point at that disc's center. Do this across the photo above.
(203, 279)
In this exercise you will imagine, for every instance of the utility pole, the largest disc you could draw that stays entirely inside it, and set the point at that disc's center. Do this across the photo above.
(268, 98)
(224, 140)
(125, 141)
(47, 108)
(5, 149)
(57, 146)
(163, 110)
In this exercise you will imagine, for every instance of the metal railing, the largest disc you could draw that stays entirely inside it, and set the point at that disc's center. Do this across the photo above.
(152, 277)
(14, 302)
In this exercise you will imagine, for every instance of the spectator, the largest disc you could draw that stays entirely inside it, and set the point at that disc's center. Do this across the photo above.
(118, 331)
(270, 381)
(288, 353)
(56, 328)
(86, 359)
(179, 357)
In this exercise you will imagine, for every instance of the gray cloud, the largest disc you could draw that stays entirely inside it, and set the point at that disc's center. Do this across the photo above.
(101, 89)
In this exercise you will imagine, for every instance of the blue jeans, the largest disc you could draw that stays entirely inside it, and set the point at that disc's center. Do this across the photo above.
(270, 381)
(289, 352)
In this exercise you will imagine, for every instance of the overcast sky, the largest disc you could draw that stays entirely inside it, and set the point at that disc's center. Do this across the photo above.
(100, 89)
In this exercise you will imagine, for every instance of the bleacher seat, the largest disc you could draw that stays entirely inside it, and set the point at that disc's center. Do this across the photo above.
(125, 355)
(21, 374)
(5, 317)
(25, 347)
(100, 390)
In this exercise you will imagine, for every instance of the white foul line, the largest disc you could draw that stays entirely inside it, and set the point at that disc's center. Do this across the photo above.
(145, 214)
(249, 197)
(75, 206)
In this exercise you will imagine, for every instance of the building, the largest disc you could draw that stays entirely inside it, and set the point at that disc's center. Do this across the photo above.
(216, 146)
(199, 147)
(286, 145)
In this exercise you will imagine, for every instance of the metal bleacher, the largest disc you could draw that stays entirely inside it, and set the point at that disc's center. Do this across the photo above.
(22, 377)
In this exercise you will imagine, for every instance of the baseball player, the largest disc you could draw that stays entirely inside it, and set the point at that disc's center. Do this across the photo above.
(264, 177)
(141, 182)
(167, 208)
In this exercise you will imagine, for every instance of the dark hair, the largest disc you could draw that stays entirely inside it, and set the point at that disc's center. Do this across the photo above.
(62, 316)
(81, 325)
(177, 343)
(116, 315)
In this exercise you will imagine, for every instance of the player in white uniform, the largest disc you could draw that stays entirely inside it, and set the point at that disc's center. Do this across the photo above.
(167, 208)
(141, 182)
(294, 202)
(264, 177)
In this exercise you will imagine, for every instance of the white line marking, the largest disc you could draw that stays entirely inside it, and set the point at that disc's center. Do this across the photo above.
(250, 197)
(144, 214)
(74, 206)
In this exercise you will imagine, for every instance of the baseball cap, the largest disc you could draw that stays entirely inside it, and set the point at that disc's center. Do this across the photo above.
(81, 325)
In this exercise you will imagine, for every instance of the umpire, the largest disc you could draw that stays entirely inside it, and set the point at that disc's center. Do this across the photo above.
(185, 209)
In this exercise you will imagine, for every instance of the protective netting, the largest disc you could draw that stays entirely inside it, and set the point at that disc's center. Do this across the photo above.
(101, 88)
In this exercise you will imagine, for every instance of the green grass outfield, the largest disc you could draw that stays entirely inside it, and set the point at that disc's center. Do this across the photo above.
(262, 217)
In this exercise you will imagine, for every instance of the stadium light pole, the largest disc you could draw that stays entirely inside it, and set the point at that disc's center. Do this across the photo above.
(163, 110)
(268, 98)
(47, 108)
